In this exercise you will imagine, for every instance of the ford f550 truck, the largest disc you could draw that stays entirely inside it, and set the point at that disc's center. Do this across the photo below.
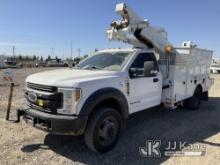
(96, 97)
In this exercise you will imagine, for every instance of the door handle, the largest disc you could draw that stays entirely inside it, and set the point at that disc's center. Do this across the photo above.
(155, 80)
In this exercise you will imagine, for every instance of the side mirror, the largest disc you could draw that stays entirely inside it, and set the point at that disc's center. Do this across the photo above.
(136, 72)
(149, 69)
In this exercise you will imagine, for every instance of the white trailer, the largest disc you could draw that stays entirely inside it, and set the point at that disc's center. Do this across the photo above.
(96, 98)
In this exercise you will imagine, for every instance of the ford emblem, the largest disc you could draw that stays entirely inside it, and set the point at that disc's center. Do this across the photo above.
(32, 96)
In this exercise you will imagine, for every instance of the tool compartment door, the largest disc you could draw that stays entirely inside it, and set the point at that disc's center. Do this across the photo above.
(181, 77)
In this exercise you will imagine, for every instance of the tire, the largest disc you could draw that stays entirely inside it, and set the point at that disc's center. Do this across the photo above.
(193, 103)
(103, 130)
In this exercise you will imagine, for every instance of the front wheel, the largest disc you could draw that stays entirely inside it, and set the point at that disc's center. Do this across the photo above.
(193, 103)
(103, 130)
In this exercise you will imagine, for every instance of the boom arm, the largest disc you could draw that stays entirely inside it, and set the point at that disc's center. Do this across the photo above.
(134, 30)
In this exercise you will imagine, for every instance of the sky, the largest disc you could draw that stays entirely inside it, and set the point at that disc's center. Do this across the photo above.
(37, 26)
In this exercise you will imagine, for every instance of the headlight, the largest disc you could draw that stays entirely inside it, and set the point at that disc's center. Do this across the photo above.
(71, 97)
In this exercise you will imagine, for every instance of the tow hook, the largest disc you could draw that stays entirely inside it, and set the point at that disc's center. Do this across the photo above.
(20, 112)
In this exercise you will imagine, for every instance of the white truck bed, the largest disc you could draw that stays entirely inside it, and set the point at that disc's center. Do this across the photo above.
(190, 67)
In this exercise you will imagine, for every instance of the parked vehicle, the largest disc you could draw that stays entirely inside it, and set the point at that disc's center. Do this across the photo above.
(40, 64)
(215, 67)
(11, 62)
(96, 98)
(56, 63)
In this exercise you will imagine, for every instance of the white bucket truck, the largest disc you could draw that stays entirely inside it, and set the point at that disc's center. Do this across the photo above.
(95, 98)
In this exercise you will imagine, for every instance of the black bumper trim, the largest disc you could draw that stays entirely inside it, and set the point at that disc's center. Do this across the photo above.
(56, 124)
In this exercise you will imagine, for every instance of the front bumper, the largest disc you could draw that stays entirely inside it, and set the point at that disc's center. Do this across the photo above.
(56, 124)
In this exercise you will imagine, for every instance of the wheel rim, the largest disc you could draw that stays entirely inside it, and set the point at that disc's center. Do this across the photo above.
(108, 131)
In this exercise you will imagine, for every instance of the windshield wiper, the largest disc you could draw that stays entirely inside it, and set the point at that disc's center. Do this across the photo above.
(90, 67)
(95, 67)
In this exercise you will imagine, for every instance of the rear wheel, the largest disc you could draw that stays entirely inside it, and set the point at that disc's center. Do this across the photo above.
(103, 130)
(193, 103)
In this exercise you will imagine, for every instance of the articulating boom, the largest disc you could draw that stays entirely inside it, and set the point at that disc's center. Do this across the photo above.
(134, 30)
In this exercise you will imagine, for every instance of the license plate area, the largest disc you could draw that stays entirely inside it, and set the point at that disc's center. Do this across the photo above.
(38, 123)
(29, 120)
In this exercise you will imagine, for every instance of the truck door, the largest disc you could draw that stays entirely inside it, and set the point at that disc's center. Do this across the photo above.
(145, 91)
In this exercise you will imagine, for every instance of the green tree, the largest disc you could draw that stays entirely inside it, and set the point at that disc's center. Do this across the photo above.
(19, 57)
(48, 58)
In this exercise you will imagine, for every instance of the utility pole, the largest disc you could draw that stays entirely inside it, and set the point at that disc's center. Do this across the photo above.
(13, 49)
(71, 50)
(79, 52)
(52, 52)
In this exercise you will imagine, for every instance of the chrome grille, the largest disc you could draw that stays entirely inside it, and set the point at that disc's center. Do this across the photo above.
(42, 87)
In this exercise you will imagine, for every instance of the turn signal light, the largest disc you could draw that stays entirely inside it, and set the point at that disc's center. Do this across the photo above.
(168, 48)
(77, 94)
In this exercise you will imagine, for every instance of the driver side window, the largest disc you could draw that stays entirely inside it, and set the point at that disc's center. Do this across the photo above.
(137, 68)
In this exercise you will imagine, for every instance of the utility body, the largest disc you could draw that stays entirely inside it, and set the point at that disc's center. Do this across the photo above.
(95, 98)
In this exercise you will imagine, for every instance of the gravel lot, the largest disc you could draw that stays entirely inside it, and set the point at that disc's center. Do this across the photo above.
(22, 144)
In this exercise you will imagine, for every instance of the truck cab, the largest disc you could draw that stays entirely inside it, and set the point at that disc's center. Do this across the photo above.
(64, 101)
(96, 97)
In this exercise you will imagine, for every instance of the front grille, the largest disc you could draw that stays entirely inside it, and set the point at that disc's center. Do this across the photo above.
(41, 108)
(42, 87)
(49, 103)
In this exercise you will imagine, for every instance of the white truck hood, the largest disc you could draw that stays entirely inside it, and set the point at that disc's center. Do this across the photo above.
(67, 77)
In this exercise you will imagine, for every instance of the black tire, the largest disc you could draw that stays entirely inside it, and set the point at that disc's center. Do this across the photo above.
(103, 130)
(193, 103)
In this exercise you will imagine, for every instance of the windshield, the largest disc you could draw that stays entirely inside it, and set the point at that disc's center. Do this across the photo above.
(106, 60)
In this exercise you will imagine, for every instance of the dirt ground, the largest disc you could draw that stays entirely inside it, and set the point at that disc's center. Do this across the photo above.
(23, 144)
